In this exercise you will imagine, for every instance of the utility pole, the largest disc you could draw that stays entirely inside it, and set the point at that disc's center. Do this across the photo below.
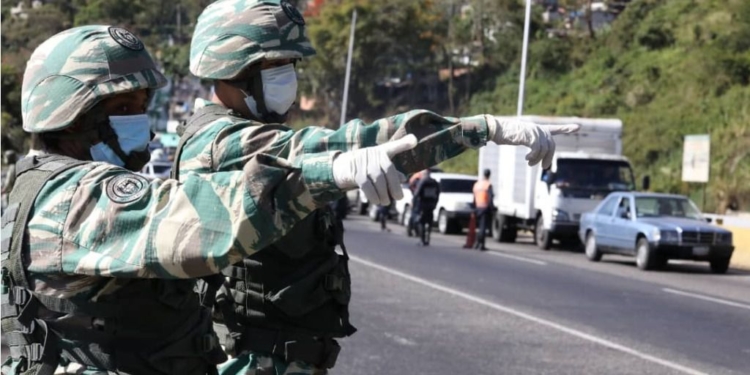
(348, 68)
(179, 21)
(524, 53)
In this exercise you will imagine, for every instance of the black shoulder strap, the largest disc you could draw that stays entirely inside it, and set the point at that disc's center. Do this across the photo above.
(18, 306)
(33, 174)
(196, 122)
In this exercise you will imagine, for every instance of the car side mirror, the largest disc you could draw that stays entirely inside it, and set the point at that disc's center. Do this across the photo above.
(646, 183)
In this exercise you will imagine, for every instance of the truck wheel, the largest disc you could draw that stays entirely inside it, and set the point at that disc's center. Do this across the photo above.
(592, 251)
(503, 229)
(719, 265)
(541, 236)
(496, 225)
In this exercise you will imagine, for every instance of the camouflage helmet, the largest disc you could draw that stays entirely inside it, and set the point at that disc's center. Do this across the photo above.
(233, 34)
(71, 72)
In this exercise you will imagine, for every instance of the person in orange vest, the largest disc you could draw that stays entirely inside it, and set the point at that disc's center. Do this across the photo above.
(482, 207)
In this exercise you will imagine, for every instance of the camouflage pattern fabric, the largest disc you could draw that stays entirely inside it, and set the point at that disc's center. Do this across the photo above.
(77, 68)
(233, 34)
(99, 221)
(229, 143)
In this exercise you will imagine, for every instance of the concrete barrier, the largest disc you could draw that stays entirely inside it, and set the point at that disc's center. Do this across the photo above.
(740, 227)
(741, 239)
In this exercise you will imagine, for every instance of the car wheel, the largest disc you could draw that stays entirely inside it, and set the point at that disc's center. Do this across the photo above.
(719, 265)
(447, 225)
(541, 236)
(403, 219)
(645, 258)
(443, 222)
(592, 251)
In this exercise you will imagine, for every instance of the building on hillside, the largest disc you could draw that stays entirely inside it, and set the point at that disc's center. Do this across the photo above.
(20, 10)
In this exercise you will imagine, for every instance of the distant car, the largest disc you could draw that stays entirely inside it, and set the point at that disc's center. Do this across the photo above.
(454, 205)
(654, 228)
(156, 169)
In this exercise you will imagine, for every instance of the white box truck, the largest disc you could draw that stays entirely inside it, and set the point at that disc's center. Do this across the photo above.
(587, 166)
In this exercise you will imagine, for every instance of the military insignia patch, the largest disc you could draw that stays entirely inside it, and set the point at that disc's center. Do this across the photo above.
(127, 188)
(125, 38)
(292, 13)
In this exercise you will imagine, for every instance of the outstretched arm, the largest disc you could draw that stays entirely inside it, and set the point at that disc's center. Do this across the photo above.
(101, 220)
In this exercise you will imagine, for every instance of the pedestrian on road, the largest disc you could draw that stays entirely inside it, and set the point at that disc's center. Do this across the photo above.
(483, 197)
(411, 224)
(383, 212)
(426, 197)
(285, 305)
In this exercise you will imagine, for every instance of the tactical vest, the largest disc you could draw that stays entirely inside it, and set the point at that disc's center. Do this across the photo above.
(148, 326)
(289, 299)
(429, 194)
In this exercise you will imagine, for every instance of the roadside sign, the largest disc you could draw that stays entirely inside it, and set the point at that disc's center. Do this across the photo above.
(696, 157)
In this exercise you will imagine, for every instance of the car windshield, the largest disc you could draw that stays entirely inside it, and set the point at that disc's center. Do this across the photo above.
(599, 175)
(453, 185)
(666, 207)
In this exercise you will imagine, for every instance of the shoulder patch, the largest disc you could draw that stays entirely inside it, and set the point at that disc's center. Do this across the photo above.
(126, 188)
(125, 38)
(292, 13)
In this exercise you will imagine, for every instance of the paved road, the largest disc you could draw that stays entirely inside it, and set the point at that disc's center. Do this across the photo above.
(520, 310)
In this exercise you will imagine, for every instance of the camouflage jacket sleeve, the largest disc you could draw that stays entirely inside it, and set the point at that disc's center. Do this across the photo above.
(102, 220)
(440, 138)
(230, 143)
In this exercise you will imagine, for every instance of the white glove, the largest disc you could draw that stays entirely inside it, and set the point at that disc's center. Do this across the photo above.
(371, 169)
(537, 137)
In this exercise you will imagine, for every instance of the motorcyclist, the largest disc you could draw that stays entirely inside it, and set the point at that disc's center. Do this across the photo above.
(425, 198)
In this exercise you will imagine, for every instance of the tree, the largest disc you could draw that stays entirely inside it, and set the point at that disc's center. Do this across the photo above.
(394, 42)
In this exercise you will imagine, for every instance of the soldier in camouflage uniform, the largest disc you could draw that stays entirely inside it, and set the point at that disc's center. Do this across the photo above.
(284, 306)
(99, 264)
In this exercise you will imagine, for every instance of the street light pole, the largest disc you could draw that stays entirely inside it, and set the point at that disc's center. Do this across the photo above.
(524, 53)
(348, 68)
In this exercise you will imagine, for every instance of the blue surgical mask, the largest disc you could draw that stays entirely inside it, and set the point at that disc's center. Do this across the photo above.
(133, 134)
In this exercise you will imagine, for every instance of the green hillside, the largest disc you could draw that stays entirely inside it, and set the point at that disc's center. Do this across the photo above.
(667, 69)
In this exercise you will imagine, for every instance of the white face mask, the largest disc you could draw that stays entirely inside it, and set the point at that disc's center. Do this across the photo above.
(279, 90)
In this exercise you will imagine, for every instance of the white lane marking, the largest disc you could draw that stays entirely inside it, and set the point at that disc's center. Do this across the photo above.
(522, 259)
(707, 298)
(400, 340)
(532, 318)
